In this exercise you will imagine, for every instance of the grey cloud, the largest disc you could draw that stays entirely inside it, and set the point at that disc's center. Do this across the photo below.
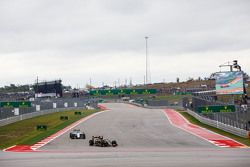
(80, 29)
(89, 25)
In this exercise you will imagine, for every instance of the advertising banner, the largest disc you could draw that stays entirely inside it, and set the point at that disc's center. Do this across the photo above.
(212, 109)
(122, 92)
(15, 104)
(229, 82)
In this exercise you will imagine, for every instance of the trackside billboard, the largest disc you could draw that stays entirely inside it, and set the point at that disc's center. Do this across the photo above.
(122, 92)
(229, 82)
(213, 109)
(15, 104)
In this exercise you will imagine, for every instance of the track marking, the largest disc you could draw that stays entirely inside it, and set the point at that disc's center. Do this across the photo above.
(63, 131)
(9, 148)
(177, 120)
(33, 148)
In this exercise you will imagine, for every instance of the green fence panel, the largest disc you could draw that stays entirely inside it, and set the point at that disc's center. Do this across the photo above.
(15, 104)
(212, 109)
(122, 92)
(183, 93)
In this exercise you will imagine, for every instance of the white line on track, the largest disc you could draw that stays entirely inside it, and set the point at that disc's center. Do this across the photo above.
(61, 132)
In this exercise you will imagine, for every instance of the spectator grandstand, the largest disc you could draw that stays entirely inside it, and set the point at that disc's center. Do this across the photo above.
(49, 89)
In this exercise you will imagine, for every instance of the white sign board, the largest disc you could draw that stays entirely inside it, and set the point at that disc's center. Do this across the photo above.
(16, 111)
(38, 108)
(54, 105)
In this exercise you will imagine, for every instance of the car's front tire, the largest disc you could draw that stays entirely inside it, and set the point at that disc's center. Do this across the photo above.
(114, 143)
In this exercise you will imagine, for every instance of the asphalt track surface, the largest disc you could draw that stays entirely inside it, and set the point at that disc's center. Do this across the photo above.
(145, 138)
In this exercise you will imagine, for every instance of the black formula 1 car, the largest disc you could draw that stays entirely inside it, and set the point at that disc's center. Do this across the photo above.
(100, 142)
(77, 134)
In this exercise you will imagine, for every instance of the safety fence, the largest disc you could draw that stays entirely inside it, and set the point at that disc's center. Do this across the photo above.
(228, 128)
(10, 120)
(10, 114)
(240, 118)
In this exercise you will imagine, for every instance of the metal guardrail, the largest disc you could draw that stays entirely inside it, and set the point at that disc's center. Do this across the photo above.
(231, 129)
(239, 119)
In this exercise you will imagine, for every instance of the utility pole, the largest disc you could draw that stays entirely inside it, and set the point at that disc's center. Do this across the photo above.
(125, 82)
(144, 80)
(36, 91)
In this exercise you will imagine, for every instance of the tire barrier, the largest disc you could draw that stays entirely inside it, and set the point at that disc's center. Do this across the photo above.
(64, 118)
(78, 113)
(41, 127)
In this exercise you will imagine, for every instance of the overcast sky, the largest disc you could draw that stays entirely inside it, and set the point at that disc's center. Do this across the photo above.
(104, 40)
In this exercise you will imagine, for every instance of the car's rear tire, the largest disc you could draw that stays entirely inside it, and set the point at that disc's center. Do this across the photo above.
(72, 137)
(83, 136)
(91, 142)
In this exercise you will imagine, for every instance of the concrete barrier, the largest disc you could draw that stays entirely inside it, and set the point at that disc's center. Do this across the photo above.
(157, 103)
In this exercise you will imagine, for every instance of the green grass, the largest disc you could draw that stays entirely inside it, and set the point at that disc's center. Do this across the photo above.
(232, 136)
(180, 110)
(25, 132)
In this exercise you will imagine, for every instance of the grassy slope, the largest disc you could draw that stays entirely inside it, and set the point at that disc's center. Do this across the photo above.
(196, 122)
(24, 132)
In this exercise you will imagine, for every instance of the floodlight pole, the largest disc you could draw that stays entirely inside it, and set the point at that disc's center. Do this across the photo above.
(146, 38)
(235, 65)
(90, 83)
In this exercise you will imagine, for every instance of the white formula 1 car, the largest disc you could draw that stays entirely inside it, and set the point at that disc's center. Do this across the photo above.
(77, 134)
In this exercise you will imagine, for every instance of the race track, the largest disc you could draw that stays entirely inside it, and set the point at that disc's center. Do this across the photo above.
(145, 138)
(133, 128)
